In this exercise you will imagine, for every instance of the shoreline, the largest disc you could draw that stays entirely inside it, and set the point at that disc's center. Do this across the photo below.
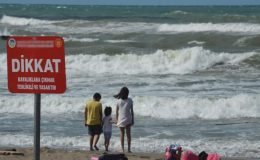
(67, 154)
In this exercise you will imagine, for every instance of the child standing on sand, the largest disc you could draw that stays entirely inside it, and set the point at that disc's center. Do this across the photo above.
(107, 126)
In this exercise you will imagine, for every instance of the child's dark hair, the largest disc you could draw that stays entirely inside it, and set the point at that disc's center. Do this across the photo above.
(108, 110)
(97, 96)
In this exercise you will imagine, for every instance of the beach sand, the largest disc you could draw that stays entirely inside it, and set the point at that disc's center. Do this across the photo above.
(62, 154)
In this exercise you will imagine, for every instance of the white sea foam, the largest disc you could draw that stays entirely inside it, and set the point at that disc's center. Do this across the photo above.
(3, 60)
(23, 21)
(204, 108)
(90, 27)
(180, 12)
(227, 148)
(118, 41)
(153, 28)
(81, 39)
(181, 61)
(176, 12)
(52, 104)
(238, 106)
(196, 42)
(249, 28)
(242, 42)
(84, 26)
(61, 7)
(172, 61)
(4, 32)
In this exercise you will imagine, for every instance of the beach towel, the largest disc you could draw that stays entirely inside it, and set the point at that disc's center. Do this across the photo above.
(213, 156)
(189, 155)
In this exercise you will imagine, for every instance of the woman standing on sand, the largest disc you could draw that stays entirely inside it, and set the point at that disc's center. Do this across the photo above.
(124, 116)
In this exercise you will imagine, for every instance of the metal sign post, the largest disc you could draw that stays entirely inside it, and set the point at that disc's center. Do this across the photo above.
(37, 125)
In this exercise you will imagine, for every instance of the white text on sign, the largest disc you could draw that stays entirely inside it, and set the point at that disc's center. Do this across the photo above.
(35, 65)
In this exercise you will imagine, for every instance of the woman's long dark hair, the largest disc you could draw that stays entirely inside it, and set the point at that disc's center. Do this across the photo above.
(123, 94)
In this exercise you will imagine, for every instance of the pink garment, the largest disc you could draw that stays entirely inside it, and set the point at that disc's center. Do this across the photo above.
(189, 155)
(94, 158)
(213, 156)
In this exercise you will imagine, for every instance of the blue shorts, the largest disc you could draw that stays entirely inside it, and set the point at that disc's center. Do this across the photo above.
(107, 135)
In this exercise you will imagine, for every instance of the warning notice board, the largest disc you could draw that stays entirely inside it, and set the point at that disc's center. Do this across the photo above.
(36, 64)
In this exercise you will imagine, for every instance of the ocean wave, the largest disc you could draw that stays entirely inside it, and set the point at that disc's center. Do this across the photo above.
(52, 104)
(196, 42)
(183, 61)
(24, 21)
(238, 106)
(80, 39)
(61, 7)
(229, 148)
(3, 60)
(241, 42)
(74, 26)
(119, 41)
(204, 108)
(4, 32)
(248, 28)
(247, 41)
(174, 13)
(180, 12)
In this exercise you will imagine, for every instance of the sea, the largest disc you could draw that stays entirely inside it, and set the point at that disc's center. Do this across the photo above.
(193, 73)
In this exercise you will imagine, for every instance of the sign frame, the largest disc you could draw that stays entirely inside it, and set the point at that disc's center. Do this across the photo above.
(36, 64)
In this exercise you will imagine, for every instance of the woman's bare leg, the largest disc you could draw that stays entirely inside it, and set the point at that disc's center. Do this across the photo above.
(128, 134)
(122, 135)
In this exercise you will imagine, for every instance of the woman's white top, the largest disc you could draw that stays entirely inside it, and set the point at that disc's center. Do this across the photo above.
(124, 112)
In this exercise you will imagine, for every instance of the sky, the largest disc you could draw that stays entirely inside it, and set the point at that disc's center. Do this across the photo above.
(136, 2)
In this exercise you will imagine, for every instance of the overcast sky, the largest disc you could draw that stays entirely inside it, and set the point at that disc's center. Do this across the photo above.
(138, 2)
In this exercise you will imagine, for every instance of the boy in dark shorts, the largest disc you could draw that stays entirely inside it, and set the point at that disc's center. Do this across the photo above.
(93, 119)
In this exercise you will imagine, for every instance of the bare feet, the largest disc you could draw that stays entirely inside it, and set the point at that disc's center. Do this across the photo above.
(96, 148)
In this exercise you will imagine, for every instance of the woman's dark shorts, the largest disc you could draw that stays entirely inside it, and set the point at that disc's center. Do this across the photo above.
(94, 129)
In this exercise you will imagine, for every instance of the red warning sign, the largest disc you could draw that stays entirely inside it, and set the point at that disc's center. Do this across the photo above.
(36, 64)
